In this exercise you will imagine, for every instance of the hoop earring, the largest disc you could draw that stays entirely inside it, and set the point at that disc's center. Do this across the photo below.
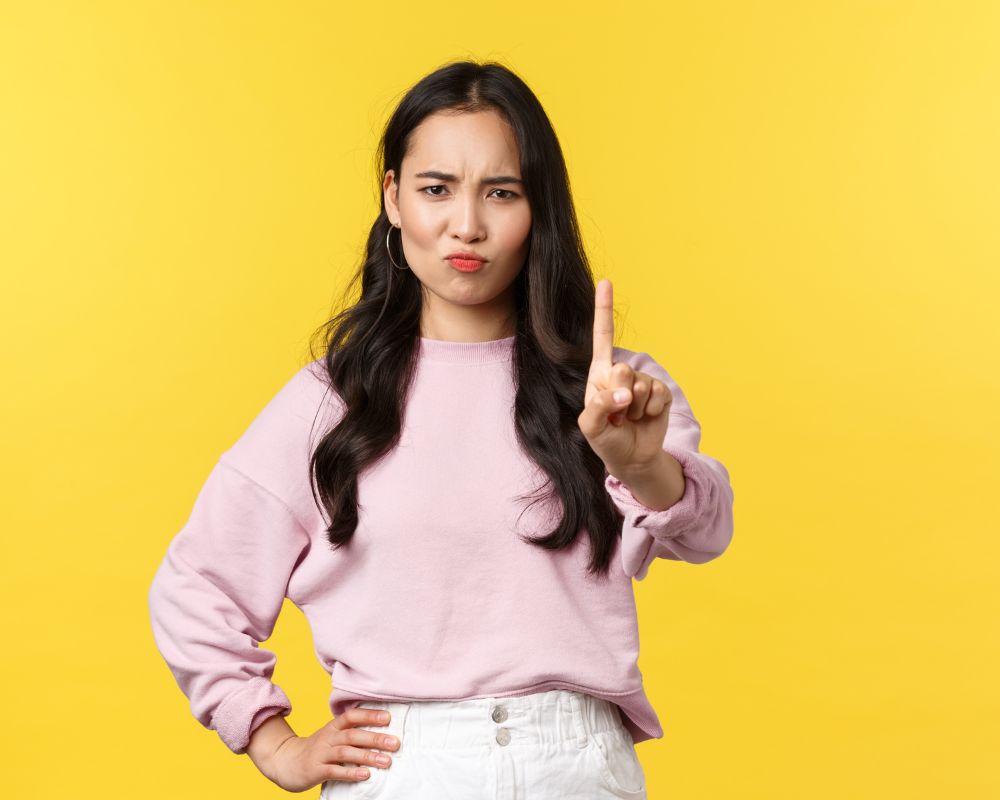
(390, 251)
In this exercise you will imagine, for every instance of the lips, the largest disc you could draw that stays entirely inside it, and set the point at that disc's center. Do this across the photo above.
(465, 260)
(466, 264)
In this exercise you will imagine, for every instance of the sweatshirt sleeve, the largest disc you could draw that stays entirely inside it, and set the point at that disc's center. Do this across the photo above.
(699, 526)
(217, 594)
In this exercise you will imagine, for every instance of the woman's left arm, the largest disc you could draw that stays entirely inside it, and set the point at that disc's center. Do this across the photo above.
(698, 527)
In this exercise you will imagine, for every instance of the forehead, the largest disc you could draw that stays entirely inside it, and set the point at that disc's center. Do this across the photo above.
(480, 141)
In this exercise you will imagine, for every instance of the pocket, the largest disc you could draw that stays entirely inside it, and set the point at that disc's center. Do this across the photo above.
(376, 774)
(619, 763)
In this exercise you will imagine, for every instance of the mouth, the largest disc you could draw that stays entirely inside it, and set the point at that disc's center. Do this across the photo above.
(466, 264)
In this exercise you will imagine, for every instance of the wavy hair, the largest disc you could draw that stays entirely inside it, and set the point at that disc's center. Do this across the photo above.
(370, 347)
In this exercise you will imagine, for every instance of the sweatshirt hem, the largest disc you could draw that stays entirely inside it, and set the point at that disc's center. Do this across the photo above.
(579, 687)
(638, 717)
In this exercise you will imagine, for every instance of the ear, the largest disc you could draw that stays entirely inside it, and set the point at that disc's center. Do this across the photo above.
(390, 191)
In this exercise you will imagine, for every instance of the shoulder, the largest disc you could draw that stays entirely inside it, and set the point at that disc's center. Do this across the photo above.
(275, 448)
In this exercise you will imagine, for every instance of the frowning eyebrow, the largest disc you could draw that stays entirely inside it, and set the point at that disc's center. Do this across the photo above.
(449, 178)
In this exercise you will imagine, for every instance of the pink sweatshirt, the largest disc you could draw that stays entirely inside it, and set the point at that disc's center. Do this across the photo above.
(435, 597)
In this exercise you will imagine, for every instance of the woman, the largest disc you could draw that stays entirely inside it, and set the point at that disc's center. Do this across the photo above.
(475, 372)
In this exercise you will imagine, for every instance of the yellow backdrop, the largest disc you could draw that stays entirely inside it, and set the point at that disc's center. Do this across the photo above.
(798, 205)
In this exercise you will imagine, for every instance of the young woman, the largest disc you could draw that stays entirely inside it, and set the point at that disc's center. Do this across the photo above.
(457, 494)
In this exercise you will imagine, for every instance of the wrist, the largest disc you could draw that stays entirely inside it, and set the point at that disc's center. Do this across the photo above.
(638, 473)
(266, 741)
(658, 484)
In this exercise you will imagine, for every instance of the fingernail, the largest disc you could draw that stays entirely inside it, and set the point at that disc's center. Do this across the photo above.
(620, 395)
(384, 716)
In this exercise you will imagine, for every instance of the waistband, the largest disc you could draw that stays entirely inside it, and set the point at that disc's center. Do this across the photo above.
(558, 717)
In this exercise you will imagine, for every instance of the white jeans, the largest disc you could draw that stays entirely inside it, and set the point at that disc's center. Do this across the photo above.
(553, 745)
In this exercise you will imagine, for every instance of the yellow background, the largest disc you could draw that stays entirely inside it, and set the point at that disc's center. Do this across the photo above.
(798, 206)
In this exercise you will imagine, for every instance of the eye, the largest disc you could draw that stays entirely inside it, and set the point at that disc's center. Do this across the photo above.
(508, 194)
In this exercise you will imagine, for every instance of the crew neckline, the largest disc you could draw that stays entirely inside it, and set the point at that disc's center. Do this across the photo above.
(467, 352)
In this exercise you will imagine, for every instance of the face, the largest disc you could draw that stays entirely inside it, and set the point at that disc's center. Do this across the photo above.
(457, 207)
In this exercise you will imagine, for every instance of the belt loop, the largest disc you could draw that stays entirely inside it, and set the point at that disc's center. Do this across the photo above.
(577, 702)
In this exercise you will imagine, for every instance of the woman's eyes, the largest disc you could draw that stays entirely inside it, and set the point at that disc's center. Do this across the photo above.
(508, 194)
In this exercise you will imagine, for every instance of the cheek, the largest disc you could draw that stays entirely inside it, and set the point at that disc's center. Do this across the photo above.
(517, 231)
(421, 233)
(421, 224)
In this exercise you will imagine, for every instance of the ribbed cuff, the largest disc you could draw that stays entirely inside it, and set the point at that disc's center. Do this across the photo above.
(670, 522)
(240, 713)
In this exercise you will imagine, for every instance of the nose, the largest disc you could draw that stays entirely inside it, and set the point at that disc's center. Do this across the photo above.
(467, 221)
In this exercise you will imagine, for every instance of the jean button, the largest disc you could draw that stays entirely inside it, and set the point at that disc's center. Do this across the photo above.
(499, 714)
(503, 736)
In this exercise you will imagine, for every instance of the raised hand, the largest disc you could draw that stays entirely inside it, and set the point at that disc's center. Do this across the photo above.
(627, 434)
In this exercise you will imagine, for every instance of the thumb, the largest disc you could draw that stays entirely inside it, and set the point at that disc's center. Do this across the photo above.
(595, 418)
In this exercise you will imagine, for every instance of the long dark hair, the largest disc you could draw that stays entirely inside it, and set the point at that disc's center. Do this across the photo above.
(370, 346)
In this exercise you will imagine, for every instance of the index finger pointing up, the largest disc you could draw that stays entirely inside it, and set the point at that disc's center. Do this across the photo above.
(604, 322)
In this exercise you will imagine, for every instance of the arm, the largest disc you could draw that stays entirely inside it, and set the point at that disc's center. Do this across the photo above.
(218, 593)
(683, 508)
